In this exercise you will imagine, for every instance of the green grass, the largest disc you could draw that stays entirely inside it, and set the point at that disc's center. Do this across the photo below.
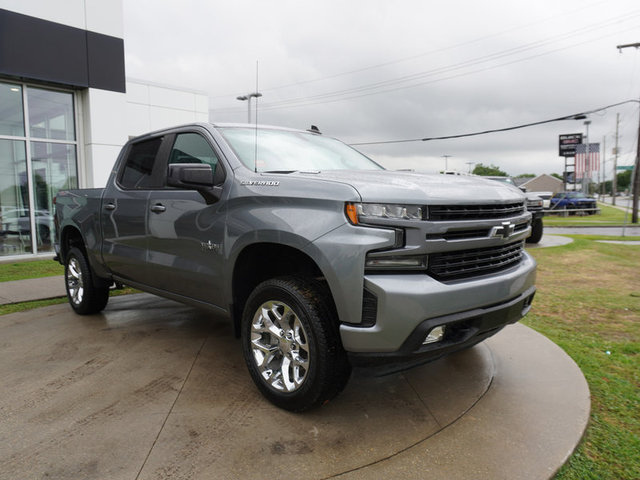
(29, 269)
(609, 216)
(588, 302)
(24, 306)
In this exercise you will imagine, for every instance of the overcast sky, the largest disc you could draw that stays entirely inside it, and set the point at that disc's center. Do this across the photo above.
(367, 71)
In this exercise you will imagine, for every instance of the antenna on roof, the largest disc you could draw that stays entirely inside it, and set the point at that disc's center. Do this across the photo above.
(314, 129)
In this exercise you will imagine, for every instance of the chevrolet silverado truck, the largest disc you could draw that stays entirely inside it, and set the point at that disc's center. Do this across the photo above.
(320, 258)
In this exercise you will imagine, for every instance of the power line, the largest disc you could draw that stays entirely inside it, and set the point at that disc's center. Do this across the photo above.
(574, 116)
(395, 84)
(424, 54)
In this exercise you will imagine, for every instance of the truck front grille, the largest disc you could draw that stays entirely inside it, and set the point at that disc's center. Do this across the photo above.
(473, 263)
(475, 212)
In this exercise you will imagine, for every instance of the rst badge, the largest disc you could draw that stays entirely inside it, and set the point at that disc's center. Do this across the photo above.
(209, 246)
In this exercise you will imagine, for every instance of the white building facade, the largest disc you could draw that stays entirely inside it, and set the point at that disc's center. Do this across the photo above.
(66, 109)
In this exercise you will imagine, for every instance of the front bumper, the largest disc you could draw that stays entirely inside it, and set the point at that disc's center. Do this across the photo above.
(409, 305)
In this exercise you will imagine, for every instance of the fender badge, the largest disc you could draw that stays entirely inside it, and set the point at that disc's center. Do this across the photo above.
(210, 247)
(260, 183)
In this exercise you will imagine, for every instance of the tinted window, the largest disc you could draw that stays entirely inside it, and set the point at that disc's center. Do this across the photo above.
(193, 148)
(138, 170)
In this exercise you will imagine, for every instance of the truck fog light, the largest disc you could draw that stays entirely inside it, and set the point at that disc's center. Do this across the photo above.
(435, 335)
(397, 262)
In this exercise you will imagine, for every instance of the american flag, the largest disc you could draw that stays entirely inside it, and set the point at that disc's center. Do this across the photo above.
(584, 165)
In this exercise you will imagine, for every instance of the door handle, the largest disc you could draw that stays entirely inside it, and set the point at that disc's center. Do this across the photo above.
(109, 206)
(158, 208)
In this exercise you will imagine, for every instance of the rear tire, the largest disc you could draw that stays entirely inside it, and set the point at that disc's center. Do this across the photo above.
(291, 343)
(84, 296)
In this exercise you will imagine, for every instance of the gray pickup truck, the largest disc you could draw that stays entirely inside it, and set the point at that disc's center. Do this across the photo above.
(320, 258)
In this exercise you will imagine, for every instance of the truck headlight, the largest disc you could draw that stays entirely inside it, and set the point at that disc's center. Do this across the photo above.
(360, 212)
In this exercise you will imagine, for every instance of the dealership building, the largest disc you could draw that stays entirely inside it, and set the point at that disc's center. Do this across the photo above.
(66, 109)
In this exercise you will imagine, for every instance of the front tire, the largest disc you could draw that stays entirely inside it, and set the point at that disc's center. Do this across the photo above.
(291, 343)
(84, 296)
(536, 231)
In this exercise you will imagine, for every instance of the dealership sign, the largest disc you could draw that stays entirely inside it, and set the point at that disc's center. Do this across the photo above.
(567, 145)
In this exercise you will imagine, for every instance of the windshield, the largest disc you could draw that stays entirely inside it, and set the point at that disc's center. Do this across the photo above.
(282, 151)
(503, 180)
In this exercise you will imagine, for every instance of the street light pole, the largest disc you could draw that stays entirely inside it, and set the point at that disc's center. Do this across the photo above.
(446, 162)
(248, 98)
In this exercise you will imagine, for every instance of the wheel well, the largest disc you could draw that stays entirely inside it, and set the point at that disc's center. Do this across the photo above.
(263, 261)
(70, 237)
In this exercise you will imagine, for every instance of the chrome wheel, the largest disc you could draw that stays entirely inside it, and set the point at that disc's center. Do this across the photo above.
(279, 346)
(75, 282)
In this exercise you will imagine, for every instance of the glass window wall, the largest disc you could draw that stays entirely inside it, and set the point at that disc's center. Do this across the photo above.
(11, 112)
(15, 220)
(31, 177)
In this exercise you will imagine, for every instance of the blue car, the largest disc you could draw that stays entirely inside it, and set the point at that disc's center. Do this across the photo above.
(574, 201)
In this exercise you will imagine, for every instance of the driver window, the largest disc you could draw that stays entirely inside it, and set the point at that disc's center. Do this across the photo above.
(193, 148)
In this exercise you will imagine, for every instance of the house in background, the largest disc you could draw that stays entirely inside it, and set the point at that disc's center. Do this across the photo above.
(66, 109)
(543, 183)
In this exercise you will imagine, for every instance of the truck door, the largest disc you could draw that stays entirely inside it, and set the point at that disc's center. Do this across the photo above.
(185, 235)
(124, 211)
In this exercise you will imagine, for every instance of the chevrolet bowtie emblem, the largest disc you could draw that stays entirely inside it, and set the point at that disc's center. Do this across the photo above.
(505, 230)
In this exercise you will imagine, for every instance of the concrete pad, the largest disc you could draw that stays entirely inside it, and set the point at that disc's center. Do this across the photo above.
(550, 241)
(620, 242)
(152, 389)
(630, 230)
(32, 289)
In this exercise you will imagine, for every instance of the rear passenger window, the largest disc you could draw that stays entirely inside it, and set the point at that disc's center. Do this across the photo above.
(138, 169)
(193, 148)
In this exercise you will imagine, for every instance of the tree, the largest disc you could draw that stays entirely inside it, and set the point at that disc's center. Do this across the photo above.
(623, 180)
(527, 175)
(558, 176)
(489, 171)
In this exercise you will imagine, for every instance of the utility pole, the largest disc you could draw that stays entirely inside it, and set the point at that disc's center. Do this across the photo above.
(586, 175)
(636, 168)
(604, 172)
(614, 180)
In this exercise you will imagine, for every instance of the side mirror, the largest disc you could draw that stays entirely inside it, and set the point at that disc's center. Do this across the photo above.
(192, 176)
(198, 177)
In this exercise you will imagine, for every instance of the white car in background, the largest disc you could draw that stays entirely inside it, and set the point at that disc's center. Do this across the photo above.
(546, 198)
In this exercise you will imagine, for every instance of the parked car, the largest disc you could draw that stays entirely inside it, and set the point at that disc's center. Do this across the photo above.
(16, 221)
(574, 201)
(546, 198)
(535, 205)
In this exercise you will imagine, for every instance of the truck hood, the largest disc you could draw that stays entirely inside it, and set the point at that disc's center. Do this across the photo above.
(387, 186)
